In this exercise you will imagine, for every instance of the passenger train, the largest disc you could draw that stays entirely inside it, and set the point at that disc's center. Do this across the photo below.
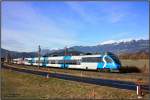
(106, 61)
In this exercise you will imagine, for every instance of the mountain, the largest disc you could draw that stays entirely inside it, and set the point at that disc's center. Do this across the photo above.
(117, 48)
(121, 47)
(14, 54)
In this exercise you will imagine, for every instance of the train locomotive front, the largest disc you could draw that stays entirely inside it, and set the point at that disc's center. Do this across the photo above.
(111, 62)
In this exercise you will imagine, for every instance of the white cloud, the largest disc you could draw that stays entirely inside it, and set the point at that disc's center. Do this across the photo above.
(23, 23)
(78, 7)
(116, 17)
(113, 12)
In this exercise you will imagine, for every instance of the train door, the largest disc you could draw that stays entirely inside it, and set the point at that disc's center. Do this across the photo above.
(65, 60)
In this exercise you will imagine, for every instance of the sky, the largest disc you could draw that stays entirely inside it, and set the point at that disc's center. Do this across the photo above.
(54, 25)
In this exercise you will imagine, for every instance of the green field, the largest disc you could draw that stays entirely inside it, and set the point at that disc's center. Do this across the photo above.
(16, 85)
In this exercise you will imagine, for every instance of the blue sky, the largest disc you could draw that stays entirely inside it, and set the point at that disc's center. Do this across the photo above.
(25, 25)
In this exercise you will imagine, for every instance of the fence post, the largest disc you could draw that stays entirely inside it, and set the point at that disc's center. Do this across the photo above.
(81, 74)
(138, 89)
(47, 75)
(93, 94)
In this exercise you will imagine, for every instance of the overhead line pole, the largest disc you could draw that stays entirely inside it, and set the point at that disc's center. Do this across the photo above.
(39, 54)
(65, 50)
(65, 55)
(6, 57)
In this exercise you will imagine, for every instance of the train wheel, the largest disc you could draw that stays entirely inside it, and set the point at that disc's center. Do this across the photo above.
(99, 70)
(106, 70)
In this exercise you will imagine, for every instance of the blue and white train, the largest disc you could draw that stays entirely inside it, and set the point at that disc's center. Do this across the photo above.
(104, 61)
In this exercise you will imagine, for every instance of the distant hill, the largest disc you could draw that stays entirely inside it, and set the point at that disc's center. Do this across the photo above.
(119, 48)
(14, 54)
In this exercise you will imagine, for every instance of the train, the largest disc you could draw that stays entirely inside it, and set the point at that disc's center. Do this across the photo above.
(105, 61)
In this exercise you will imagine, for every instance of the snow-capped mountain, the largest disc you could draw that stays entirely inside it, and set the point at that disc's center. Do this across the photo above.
(124, 46)
(117, 47)
(119, 41)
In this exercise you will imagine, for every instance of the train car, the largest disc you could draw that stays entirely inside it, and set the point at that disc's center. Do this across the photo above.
(28, 61)
(18, 61)
(15, 61)
(106, 61)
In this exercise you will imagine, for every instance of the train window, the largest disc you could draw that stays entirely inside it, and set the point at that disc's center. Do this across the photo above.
(92, 59)
(108, 60)
(56, 61)
(115, 58)
(69, 62)
(33, 61)
(60, 61)
(42, 61)
(26, 60)
(36, 61)
(52, 62)
(78, 62)
(46, 61)
(29, 61)
(73, 62)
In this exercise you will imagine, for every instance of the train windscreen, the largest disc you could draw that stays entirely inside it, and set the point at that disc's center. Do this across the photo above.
(115, 58)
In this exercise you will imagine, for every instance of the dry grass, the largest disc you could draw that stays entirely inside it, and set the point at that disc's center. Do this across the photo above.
(141, 64)
(133, 77)
(17, 85)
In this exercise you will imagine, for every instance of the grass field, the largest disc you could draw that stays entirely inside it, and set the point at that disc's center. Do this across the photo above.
(141, 64)
(16, 85)
(133, 77)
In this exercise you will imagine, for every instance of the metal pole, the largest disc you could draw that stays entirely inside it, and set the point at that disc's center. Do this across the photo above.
(65, 55)
(81, 74)
(39, 51)
(65, 50)
(6, 57)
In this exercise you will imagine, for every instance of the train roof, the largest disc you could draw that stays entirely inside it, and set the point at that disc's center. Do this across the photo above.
(74, 56)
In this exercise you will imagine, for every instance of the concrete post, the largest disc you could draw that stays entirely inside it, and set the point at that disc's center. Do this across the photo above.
(138, 89)
(47, 76)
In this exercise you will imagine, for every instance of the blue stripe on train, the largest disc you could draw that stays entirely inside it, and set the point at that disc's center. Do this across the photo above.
(108, 65)
(45, 61)
(111, 65)
(32, 61)
(67, 58)
(66, 65)
(100, 65)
